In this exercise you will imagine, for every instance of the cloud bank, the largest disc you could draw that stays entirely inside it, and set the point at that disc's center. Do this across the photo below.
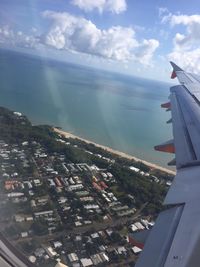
(186, 50)
(16, 38)
(114, 6)
(81, 35)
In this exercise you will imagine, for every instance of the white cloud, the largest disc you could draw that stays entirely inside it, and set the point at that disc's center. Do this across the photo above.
(114, 6)
(189, 60)
(13, 38)
(184, 19)
(186, 51)
(145, 50)
(191, 37)
(81, 35)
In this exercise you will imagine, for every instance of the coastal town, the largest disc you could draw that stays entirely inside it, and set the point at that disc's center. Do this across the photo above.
(67, 202)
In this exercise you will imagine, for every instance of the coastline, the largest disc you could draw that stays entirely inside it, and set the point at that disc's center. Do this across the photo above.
(111, 150)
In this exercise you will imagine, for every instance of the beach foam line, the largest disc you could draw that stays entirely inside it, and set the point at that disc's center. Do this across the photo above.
(111, 150)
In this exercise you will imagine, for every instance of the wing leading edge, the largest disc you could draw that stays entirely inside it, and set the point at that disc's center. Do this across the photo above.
(175, 239)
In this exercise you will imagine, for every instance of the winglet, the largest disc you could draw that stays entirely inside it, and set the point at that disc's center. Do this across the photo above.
(173, 75)
(166, 147)
(166, 105)
(175, 68)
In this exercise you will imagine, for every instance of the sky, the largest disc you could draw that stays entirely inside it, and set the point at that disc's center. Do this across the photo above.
(127, 36)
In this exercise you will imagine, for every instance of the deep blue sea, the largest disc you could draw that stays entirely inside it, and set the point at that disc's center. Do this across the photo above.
(115, 110)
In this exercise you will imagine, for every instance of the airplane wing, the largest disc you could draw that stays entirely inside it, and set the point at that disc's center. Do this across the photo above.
(10, 256)
(174, 241)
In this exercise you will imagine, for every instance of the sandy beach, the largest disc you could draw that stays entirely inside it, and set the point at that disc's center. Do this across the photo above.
(119, 153)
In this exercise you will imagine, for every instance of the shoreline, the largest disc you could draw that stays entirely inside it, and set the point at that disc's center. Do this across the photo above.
(111, 150)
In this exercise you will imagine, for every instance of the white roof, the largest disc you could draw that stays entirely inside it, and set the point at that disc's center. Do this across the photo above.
(136, 250)
(134, 169)
(95, 235)
(57, 244)
(133, 227)
(139, 225)
(121, 250)
(32, 259)
(51, 251)
(59, 264)
(72, 257)
(86, 262)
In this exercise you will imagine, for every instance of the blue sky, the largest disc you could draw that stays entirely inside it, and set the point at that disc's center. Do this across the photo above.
(127, 36)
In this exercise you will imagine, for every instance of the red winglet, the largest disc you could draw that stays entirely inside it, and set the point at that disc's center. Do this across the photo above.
(166, 105)
(166, 147)
(173, 75)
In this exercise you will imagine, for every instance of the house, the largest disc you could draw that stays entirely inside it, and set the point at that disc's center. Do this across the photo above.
(145, 223)
(24, 234)
(71, 180)
(60, 264)
(43, 213)
(139, 226)
(104, 256)
(51, 252)
(87, 222)
(17, 113)
(37, 182)
(58, 182)
(121, 250)
(39, 252)
(168, 183)
(87, 199)
(19, 218)
(136, 250)
(109, 175)
(96, 186)
(32, 259)
(25, 143)
(15, 194)
(86, 262)
(11, 184)
(94, 168)
(29, 218)
(104, 175)
(134, 169)
(133, 227)
(96, 259)
(57, 244)
(91, 206)
(75, 187)
(78, 223)
(103, 185)
(94, 235)
(62, 200)
(72, 257)
(33, 203)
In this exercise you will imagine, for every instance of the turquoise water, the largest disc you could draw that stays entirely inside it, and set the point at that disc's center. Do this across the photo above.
(111, 109)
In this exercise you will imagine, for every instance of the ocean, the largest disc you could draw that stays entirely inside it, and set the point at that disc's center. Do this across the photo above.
(119, 111)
